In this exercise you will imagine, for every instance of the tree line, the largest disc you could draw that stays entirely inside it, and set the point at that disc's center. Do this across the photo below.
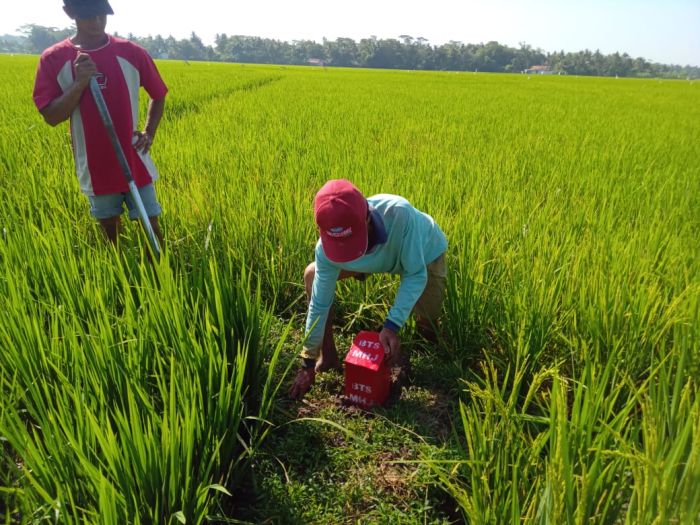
(404, 52)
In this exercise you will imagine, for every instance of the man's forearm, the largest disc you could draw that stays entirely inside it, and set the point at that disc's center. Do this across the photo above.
(60, 109)
(155, 113)
(314, 334)
(410, 290)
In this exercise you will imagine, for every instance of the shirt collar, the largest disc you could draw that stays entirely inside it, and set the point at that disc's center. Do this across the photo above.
(378, 234)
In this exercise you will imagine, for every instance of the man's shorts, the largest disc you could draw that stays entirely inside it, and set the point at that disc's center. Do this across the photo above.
(112, 204)
(429, 304)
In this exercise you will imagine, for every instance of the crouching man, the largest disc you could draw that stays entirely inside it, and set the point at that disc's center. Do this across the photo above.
(361, 236)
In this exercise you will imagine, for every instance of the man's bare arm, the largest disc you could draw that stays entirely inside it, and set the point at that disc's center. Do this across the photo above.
(155, 113)
(61, 108)
(145, 138)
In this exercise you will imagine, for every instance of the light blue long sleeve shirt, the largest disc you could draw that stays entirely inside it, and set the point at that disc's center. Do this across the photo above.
(413, 241)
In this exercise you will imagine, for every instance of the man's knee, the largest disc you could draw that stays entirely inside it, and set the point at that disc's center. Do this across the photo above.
(309, 273)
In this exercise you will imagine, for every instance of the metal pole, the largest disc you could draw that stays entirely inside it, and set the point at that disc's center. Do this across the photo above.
(126, 170)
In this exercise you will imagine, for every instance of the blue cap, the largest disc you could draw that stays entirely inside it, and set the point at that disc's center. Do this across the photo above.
(88, 8)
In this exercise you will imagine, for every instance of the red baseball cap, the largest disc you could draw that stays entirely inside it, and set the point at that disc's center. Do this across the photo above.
(340, 211)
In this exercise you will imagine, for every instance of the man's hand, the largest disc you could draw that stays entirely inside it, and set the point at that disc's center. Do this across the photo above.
(144, 141)
(85, 68)
(60, 108)
(302, 383)
(390, 342)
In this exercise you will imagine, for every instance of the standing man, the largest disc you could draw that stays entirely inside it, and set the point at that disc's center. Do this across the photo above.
(61, 92)
(359, 236)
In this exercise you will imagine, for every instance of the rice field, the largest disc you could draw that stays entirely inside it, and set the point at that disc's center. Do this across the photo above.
(141, 394)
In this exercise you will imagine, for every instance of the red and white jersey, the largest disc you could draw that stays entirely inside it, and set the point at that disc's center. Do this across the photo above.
(123, 68)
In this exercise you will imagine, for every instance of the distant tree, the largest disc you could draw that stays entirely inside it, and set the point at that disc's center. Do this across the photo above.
(423, 54)
(40, 37)
(366, 50)
(341, 52)
(195, 48)
(524, 58)
(641, 68)
(13, 44)
(493, 57)
(221, 45)
(160, 48)
(303, 50)
(405, 53)
(389, 54)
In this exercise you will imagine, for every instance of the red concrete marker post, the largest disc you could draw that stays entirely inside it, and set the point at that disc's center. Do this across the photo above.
(367, 376)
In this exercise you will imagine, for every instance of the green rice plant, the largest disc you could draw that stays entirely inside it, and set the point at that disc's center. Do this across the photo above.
(501, 467)
(556, 451)
(570, 206)
(138, 415)
(665, 465)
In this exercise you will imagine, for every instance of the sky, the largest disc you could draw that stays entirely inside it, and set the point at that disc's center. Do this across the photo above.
(666, 31)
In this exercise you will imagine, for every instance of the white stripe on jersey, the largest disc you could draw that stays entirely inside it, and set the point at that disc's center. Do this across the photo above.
(133, 82)
(65, 79)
